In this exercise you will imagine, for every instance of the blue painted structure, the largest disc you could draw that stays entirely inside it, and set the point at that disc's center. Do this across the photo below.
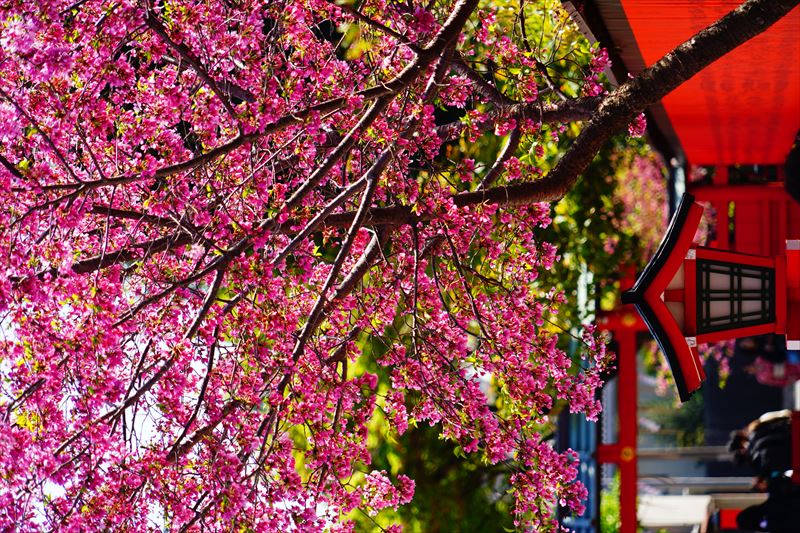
(581, 435)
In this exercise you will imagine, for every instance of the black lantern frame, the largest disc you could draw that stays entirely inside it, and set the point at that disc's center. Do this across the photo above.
(749, 294)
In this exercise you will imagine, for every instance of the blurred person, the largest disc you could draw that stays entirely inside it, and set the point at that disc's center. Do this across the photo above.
(765, 445)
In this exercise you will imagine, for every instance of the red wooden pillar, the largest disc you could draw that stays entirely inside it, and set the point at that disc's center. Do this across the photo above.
(624, 324)
(796, 447)
(792, 266)
(627, 405)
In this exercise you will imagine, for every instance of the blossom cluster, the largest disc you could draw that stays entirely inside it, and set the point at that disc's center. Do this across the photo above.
(228, 239)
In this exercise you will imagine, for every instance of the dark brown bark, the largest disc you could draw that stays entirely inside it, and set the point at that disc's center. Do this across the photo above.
(133, 252)
(568, 111)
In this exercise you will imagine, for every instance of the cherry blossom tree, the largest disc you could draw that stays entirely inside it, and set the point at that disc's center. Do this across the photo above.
(214, 214)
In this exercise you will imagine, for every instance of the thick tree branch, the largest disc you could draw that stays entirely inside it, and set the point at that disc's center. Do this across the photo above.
(568, 111)
(615, 112)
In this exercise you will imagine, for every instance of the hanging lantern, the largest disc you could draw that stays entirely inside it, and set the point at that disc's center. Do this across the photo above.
(733, 295)
(689, 294)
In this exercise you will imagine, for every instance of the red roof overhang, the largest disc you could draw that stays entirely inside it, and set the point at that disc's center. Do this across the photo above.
(742, 109)
(646, 294)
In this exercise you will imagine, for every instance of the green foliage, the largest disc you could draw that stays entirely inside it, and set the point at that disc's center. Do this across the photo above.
(588, 230)
(609, 507)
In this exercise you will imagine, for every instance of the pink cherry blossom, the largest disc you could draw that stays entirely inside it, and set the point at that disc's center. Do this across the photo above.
(232, 243)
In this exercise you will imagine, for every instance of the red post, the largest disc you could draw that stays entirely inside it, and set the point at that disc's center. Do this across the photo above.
(796, 447)
(627, 405)
(624, 323)
(793, 294)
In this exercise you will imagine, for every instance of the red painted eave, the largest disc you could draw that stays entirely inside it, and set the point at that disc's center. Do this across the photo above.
(742, 109)
(683, 360)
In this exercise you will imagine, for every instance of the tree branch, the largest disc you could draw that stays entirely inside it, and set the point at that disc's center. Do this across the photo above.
(186, 54)
(505, 154)
(568, 111)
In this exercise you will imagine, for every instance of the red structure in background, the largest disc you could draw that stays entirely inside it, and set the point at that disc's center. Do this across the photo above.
(689, 295)
(764, 215)
(742, 110)
(764, 218)
(624, 325)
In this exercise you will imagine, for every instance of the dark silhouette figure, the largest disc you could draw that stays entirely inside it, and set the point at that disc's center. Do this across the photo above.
(765, 445)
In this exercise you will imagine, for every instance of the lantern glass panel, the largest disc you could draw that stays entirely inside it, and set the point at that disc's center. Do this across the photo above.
(731, 295)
